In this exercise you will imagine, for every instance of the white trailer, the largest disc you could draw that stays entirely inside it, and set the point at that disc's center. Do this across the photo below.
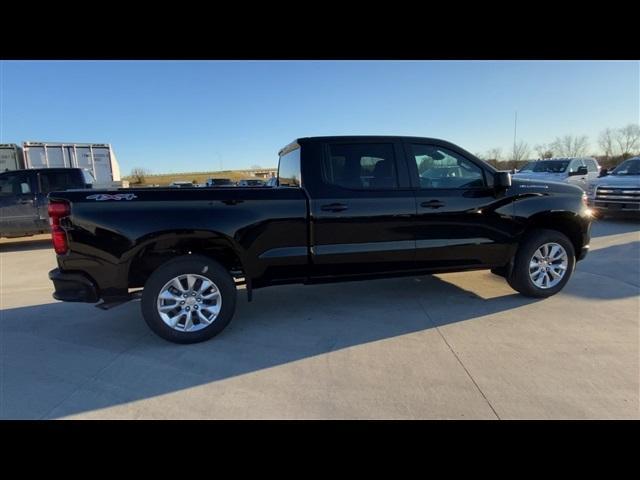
(98, 158)
(10, 157)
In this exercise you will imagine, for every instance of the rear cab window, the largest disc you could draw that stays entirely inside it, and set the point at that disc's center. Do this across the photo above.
(61, 180)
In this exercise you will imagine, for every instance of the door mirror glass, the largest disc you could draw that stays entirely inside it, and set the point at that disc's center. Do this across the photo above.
(24, 188)
(582, 170)
(502, 180)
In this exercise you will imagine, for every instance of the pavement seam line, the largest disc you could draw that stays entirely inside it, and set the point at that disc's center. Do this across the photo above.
(435, 325)
(94, 376)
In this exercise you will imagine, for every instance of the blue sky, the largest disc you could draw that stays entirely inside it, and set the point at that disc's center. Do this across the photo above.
(173, 116)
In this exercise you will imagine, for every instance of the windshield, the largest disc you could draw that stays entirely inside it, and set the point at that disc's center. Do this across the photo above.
(550, 166)
(629, 167)
(527, 167)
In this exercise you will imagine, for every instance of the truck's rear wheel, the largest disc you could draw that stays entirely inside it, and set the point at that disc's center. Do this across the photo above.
(189, 299)
(543, 264)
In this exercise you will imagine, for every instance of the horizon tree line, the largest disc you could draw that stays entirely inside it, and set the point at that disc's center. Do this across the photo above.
(615, 144)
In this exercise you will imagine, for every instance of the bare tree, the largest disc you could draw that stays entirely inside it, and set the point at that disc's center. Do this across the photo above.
(606, 141)
(628, 139)
(520, 151)
(543, 151)
(571, 146)
(494, 154)
(138, 174)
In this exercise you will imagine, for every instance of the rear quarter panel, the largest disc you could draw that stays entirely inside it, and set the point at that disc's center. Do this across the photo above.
(267, 228)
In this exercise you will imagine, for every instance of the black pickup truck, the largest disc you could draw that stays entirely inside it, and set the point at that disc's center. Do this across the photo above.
(344, 208)
(23, 197)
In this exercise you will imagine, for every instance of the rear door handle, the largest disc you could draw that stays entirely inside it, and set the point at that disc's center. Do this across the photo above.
(25, 202)
(334, 207)
(432, 204)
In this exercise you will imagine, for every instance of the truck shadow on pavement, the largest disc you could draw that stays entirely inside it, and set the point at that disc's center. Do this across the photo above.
(61, 359)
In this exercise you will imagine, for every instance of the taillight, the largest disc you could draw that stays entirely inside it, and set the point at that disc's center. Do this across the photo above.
(58, 210)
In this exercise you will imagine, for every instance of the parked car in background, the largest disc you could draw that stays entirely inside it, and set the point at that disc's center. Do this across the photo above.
(251, 182)
(181, 184)
(219, 182)
(345, 208)
(577, 171)
(23, 197)
(617, 191)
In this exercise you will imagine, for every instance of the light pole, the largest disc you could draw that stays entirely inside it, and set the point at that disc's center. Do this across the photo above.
(515, 129)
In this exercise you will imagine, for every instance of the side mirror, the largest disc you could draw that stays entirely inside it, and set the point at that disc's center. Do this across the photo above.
(24, 188)
(604, 172)
(581, 171)
(502, 180)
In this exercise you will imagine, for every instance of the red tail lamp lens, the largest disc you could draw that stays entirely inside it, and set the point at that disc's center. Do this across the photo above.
(58, 210)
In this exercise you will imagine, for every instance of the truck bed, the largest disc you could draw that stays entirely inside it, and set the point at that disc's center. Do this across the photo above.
(267, 229)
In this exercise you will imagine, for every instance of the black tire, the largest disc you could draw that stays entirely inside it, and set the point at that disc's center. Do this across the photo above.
(520, 280)
(188, 264)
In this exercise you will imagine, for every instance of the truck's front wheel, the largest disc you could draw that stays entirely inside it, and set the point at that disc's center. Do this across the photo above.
(543, 264)
(189, 299)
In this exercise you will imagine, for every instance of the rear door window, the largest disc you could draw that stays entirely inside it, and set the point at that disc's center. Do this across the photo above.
(361, 166)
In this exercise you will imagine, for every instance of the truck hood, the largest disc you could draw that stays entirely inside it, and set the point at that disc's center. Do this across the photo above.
(558, 177)
(617, 181)
(527, 185)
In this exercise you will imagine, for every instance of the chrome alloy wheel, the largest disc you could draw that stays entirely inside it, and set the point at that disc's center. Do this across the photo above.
(548, 265)
(189, 302)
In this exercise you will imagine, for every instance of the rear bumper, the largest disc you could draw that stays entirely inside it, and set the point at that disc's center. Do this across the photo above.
(73, 287)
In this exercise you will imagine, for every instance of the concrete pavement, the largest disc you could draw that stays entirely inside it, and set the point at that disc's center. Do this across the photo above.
(460, 345)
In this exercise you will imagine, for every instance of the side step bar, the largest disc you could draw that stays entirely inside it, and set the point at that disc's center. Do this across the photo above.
(116, 301)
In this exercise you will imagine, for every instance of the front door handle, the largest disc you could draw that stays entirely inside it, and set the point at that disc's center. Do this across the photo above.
(334, 207)
(432, 204)
(24, 201)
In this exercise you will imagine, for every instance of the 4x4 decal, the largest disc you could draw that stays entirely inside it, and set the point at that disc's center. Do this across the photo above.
(100, 197)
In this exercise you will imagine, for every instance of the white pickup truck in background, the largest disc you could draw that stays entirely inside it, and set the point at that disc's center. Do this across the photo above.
(577, 171)
(618, 191)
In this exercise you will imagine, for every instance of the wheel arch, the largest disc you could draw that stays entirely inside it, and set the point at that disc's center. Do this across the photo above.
(155, 249)
(565, 222)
